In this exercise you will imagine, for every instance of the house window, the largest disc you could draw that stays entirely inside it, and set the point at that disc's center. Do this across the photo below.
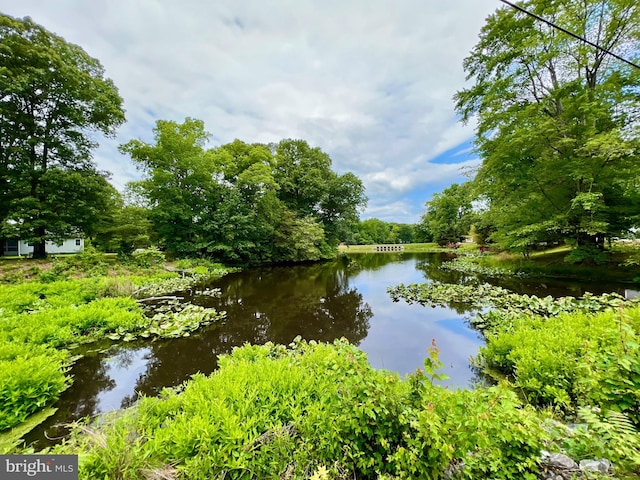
(77, 242)
(11, 247)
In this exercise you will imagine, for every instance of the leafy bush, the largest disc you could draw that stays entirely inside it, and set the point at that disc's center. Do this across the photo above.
(610, 435)
(469, 264)
(203, 266)
(30, 378)
(148, 257)
(60, 313)
(314, 409)
(587, 254)
(572, 360)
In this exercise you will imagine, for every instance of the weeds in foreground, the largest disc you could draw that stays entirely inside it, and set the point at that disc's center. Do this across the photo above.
(321, 411)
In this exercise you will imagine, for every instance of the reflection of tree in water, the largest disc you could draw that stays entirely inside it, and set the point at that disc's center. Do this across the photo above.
(277, 304)
(358, 262)
(90, 378)
(269, 304)
(431, 268)
(174, 361)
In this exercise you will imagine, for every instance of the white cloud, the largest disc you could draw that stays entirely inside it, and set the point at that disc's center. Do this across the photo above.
(370, 82)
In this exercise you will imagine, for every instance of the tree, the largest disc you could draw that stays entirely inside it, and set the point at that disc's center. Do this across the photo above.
(403, 232)
(126, 228)
(53, 95)
(241, 203)
(372, 231)
(180, 185)
(308, 186)
(558, 121)
(449, 214)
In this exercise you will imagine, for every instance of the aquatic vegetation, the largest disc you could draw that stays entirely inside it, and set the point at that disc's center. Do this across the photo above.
(469, 264)
(170, 285)
(505, 305)
(181, 322)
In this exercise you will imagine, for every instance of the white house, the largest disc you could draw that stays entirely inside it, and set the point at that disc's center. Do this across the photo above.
(21, 247)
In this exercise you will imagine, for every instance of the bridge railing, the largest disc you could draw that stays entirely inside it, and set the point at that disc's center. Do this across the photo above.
(388, 248)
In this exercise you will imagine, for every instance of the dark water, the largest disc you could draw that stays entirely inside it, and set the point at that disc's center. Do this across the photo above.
(346, 298)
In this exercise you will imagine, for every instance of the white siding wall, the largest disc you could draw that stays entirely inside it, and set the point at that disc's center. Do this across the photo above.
(68, 246)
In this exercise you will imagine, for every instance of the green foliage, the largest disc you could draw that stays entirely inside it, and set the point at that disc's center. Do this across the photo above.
(449, 214)
(53, 96)
(37, 317)
(66, 325)
(10, 440)
(469, 264)
(124, 229)
(148, 257)
(30, 377)
(178, 320)
(374, 231)
(299, 239)
(611, 435)
(484, 433)
(240, 203)
(610, 374)
(506, 306)
(313, 409)
(571, 359)
(587, 254)
(557, 128)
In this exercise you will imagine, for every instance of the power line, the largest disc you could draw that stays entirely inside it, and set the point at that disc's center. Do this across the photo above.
(564, 30)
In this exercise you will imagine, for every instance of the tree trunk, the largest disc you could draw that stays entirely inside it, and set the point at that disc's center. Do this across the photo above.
(39, 247)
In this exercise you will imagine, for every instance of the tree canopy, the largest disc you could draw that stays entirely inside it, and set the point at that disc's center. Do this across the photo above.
(558, 121)
(449, 214)
(242, 203)
(53, 95)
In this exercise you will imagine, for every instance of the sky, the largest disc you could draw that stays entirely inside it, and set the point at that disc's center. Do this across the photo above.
(370, 82)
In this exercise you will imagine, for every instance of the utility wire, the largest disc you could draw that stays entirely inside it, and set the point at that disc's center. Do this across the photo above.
(578, 37)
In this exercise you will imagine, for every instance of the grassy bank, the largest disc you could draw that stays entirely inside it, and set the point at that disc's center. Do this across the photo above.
(621, 263)
(48, 307)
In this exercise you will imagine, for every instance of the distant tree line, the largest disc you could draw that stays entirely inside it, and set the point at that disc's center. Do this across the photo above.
(375, 231)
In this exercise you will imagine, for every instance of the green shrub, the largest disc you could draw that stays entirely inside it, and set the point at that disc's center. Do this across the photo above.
(313, 409)
(148, 257)
(588, 254)
(63, 326)
(608, 435)
(572, 360)
(36, 316)
(31, 377)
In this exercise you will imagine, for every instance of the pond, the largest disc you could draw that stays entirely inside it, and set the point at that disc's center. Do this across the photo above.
(346, 298)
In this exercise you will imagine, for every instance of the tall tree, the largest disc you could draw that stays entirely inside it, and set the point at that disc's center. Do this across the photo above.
(180, 181)
(449, 214)
(308, 186)
(241, 203)
(53, 95)
(558, 121)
